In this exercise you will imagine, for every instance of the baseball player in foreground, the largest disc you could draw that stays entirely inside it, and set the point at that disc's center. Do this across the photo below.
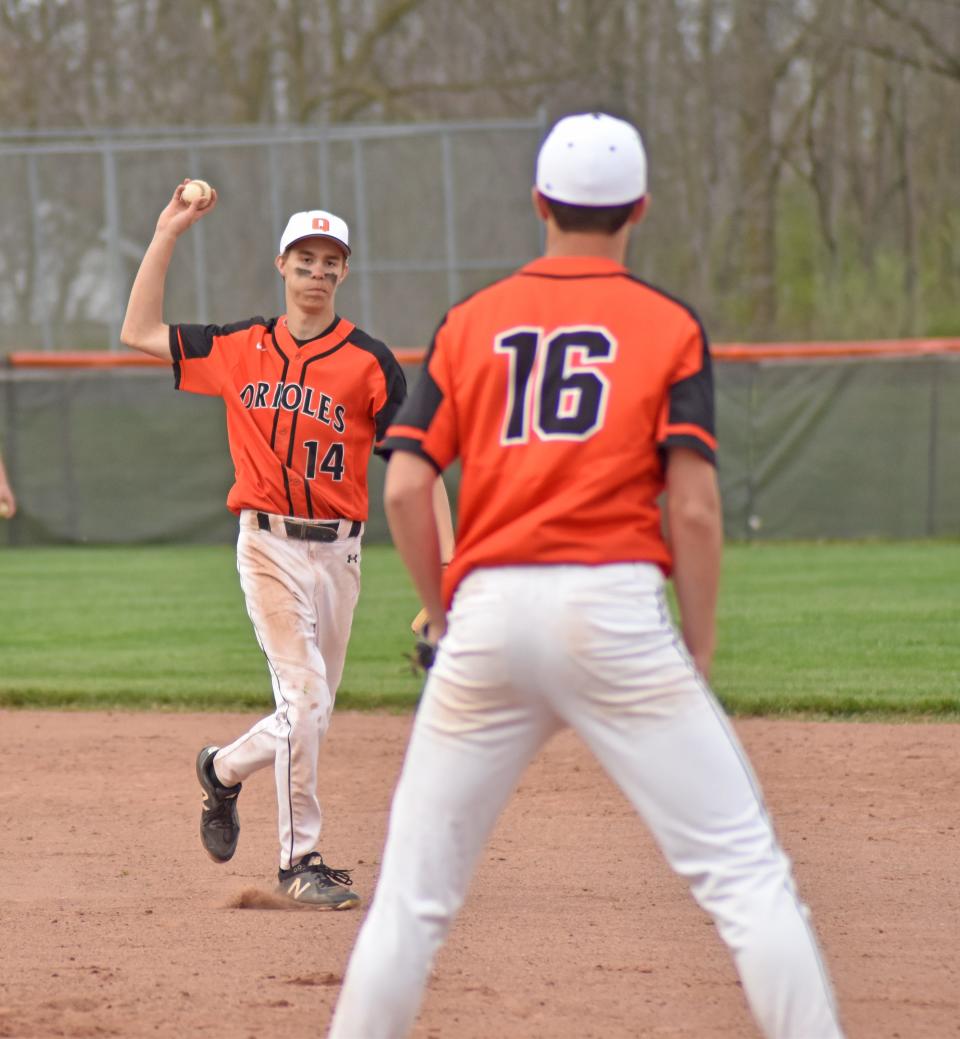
(573, 394)
(307, 396)
(8, 503)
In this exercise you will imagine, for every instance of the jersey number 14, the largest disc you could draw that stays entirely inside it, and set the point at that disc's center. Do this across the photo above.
(332, 464)
(555, 384)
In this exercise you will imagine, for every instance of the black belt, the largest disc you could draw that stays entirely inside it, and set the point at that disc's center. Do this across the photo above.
(319, 531)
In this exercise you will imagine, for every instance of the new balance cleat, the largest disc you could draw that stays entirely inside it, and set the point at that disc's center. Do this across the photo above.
(311, 882)
(219, 821)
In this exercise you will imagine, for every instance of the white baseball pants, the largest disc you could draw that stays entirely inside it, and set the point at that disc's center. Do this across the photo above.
(531, 649)
(300, 596)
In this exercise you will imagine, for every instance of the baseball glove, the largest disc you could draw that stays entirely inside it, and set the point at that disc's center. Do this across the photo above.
(424, 651)
(424, 654)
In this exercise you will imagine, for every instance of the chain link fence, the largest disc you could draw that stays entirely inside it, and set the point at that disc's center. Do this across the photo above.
(844, 448)
(435, 211)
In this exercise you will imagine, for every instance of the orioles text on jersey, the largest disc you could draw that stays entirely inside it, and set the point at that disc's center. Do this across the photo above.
(291, 396)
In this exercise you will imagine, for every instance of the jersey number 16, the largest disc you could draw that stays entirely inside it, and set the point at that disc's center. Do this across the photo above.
(558, 374)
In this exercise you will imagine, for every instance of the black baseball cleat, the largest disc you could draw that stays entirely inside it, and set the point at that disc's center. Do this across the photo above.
(311, 882)
(219, 822)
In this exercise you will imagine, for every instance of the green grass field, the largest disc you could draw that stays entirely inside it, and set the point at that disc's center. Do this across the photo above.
(855, 629)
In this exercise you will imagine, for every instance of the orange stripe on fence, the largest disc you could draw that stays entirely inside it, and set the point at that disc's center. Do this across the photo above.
(732, 352)
(746, 352)
(409, 355)
(83, 359)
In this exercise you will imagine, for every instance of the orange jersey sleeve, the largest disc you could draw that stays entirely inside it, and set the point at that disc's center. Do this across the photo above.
(559, 389)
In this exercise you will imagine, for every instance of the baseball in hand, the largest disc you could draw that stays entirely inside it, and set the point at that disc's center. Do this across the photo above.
(5, 509)
(196, 191)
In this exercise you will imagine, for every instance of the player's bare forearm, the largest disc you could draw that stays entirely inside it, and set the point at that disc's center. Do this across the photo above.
(444, 519)
(143, 326)
(409, 503)
(695, 525)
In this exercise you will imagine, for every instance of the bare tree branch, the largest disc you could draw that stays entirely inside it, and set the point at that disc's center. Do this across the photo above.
(900, 57)
(948, 64)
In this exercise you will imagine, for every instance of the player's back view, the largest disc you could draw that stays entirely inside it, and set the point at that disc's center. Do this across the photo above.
(573, 396)
(557, 467)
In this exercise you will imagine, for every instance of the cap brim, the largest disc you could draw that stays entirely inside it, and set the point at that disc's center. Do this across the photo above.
(346, 248)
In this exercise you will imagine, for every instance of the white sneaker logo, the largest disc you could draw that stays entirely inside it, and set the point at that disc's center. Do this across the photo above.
(298, 887)
(260, 346)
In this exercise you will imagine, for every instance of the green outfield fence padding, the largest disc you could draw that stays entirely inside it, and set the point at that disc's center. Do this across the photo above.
(821, 448)
(850, 448)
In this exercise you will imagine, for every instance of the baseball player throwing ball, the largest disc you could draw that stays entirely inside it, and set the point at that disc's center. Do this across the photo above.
(573, 394)
(307, 396)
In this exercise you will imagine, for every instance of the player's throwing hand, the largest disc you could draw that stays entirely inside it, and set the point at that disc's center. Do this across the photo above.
(179, 215)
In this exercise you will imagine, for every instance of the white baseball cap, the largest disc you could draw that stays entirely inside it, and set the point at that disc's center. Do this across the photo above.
(315, 223)
(592, 160)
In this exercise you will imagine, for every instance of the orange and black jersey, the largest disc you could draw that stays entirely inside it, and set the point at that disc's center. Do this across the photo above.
(301, 417)
(560, 388)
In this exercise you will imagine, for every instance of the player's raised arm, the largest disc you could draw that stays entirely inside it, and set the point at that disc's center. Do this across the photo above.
(143, 326)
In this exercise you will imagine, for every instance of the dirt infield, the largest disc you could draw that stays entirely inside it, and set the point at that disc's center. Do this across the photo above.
(114, 923)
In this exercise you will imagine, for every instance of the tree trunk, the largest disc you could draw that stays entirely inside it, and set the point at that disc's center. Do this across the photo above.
(758, 170)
